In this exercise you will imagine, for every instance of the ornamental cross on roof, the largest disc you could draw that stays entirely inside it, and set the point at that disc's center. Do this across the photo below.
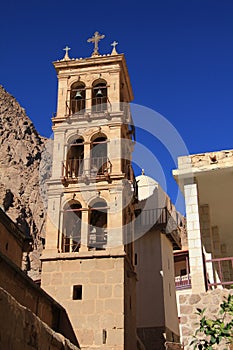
(95, 39)
(66, 49)
(114, 44)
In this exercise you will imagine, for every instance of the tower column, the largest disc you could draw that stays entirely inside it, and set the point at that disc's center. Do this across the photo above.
(84, 230)
(194, 238)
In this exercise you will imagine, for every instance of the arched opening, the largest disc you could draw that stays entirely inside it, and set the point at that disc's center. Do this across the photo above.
(71, 233)
(99, 159)
(75, 155)
(78, 98)
(99, 96)
(98, 218)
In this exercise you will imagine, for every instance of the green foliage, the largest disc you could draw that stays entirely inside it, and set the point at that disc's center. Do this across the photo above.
(211, 333)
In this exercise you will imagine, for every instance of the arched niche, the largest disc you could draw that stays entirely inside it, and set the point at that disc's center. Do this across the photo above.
(98, 222)
(71, 230)
(99, 154)
(78, 97)
(74, 158)
(99, 95)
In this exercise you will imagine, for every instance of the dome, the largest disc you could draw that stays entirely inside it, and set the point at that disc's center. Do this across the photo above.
(146, 186)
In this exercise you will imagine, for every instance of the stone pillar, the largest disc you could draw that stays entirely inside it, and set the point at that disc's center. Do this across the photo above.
(194, 238)
(84, 231)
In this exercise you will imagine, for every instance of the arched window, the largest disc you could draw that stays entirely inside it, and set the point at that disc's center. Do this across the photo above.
(71, 232)
(74, 160)
(98, 220)
(99, 96)
(99, 159)
(78, 98)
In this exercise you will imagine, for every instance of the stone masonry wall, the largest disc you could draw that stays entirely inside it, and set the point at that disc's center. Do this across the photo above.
(210, 300)
(22, 330)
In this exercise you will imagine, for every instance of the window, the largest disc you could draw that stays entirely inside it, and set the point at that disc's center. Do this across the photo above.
(97, 225)
(99, 96)
(72, 218)
(77, 98)
(99, 160)
(74, 162)
(77, 292)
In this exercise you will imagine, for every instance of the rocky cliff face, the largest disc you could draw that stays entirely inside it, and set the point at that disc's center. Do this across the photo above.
(21, 149)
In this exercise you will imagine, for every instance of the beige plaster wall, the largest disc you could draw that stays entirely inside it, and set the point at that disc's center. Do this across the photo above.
(169, 289)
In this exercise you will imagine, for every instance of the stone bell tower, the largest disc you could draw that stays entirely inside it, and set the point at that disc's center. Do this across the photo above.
(87, 262)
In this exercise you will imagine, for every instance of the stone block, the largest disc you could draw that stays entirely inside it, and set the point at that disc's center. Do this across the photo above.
(97, 277)
(114, 305)
(90, 291)
(115, 337)
(115, 276)
(118, 291)
(105, 264)
(105, 291)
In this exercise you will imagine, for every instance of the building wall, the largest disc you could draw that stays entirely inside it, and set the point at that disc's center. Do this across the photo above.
(190, 320)
(31, 296)
(98, 318)
(150, 301)
(11, 240)
(21, 329)
(169, 290)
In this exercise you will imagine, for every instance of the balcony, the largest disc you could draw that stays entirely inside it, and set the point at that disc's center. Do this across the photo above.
(74, 170)
(183, 282)
(159, 219)
(219, 272)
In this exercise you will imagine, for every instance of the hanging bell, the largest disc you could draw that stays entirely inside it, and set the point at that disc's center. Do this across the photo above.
(78, 95)
(99, 93)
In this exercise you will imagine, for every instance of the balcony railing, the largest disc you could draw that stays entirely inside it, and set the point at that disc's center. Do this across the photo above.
(74, 169)
(221, 270)
(183, 282)
(162, 219)
(97, 239)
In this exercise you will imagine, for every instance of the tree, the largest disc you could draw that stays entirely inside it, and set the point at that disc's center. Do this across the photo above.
(214, 332)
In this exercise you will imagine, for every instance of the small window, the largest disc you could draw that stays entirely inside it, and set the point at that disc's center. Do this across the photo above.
(135, 259)
(77, 292)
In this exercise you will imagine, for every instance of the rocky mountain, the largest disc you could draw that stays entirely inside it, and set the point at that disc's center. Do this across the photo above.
(21, 175)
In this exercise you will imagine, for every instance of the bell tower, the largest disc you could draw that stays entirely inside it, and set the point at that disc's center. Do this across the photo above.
(87, 263)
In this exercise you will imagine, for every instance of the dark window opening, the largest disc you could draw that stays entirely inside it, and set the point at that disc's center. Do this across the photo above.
(72, 219)
(74, 163)
(98, 226)
(99, 159)
(77, 292)
(104, 336)
(78, 98)
(135, 259)
(99, 96)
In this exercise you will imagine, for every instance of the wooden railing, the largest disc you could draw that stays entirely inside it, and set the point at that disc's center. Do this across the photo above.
(183, 282)
(162, 219)
(91, 167)
(221, 270)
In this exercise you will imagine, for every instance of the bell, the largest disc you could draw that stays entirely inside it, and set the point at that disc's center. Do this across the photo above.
(78, 95)
(99, 93)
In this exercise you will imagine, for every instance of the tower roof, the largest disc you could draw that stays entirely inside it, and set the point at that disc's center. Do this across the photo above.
(146, 186)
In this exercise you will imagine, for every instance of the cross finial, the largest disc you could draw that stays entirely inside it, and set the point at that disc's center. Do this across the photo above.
(95, 39)
(66, 49)
(114, 44)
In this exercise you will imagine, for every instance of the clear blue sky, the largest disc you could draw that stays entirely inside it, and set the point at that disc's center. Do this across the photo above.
(179, 55)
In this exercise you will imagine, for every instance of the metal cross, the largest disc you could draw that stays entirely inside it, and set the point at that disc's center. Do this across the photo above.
(66, 49)
(95, 39)
(114, 44)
